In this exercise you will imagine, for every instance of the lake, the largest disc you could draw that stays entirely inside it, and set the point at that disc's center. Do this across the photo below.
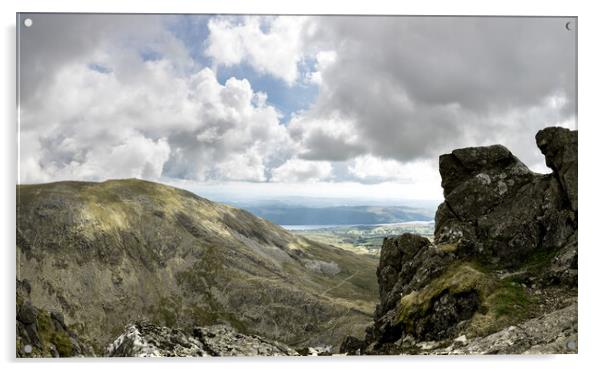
(328, 226)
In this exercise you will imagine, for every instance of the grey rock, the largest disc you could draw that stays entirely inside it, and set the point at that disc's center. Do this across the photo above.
(559, 145)
(446, 313)
(407, 263)
(563, 269)
(553, 333)
(27, 313)
(352, 346)
(147, 340)
(221, 340)
(507, 211)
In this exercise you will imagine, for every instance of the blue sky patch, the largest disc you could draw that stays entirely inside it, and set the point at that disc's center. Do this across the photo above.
(193, 31)
(100, 68)
(286, 99)
(150, 55)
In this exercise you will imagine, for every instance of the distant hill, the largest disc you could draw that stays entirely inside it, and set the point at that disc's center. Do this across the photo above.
(299, 215)
(106, 254)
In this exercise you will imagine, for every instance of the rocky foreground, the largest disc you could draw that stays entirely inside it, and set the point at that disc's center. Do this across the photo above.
(147, 340)
(501, 274)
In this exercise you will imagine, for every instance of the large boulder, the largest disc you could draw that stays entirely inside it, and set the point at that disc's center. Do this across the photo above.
(493, 200)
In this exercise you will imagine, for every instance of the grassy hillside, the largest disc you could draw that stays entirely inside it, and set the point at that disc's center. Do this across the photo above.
(105, 254)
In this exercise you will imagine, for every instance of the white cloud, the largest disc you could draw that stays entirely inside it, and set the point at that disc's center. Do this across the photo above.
(438, 84)
(331, 138)
(271, 45)
(324, 59)
(147, 119)
(136, 157)
(368, 168)
(298, 170)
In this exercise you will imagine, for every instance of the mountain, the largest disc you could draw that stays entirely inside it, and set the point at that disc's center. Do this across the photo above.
(501, 273)
(104, 255)
(339, 215)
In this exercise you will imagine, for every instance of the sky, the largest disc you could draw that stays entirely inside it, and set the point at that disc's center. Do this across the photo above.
(279, 106)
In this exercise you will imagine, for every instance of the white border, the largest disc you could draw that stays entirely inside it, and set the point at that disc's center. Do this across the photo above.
(590, 117)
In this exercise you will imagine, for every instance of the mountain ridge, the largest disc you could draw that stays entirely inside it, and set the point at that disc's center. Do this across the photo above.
(107, 254)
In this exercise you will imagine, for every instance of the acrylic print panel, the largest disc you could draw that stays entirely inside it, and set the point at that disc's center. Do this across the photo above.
(241, 185)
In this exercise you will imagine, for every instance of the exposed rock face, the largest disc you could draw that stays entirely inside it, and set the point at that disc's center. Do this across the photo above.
(44, 334)
(147, 340)
(494, 201)
(505, 243)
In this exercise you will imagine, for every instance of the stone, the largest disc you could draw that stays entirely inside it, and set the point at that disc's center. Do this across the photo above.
(27, 313)
(559, 145)
(461, 339)
(143, 339)
(407, 263)
(221, 340)
(352, 346)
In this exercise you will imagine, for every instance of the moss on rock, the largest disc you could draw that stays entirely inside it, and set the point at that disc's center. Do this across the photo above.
(457, 279)
(501, 302)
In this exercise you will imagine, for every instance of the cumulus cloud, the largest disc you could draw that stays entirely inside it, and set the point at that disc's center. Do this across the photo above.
(269, 44)
(157, 121)
(331, 138)
(415, 87)
(371, 169)
(324, 59)
(299, 170)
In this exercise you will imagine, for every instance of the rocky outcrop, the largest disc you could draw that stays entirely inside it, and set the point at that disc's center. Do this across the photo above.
(148, 340)
(495, 202)
(505, 243)
(44, 334)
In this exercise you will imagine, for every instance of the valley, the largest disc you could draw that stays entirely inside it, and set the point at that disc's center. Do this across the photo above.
(363, 239)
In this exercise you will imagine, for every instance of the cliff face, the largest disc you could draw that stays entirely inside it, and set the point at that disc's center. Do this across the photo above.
(104, 255)
(504, 253)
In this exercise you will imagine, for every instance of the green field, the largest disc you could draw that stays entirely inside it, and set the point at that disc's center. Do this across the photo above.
(365, 239)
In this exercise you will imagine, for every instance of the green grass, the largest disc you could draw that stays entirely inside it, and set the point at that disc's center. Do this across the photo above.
(50, 335)
(511, 300)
